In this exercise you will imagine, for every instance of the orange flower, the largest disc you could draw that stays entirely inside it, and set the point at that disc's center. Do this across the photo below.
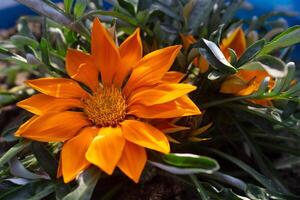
(246, 82)
(108, 123)
(236, 41)
(188, 40)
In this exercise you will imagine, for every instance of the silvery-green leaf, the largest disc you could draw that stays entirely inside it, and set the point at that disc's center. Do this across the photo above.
(211, 52)
(287, 38)
(251, 52)
(274, 66)
(17, 169)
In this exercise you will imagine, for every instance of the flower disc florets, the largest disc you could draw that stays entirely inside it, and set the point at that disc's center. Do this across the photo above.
(106, 107)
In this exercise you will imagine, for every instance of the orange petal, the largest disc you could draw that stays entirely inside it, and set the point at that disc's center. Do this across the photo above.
(152, 68)
(131, 51)
(203, 65)
(25, 125)
(160, 94)
(105, 52)
(80, 66)
(42, 104)
(54, 127)
(58, 87)
(73, 153)
(235, 41)
(173, 77)
(187, 40)
(106, 149)
(132, 161)
(145, 135)
(180, 107)
(233, 85)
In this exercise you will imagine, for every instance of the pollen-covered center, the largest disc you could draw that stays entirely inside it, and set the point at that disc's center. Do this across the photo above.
(106, 107)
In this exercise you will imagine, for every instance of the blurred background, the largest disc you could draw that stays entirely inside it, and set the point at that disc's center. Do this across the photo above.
(10, 11)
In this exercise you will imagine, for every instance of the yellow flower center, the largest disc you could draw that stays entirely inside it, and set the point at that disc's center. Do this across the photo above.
(106, 107)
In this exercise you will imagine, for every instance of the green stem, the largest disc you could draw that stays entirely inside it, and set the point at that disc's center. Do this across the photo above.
(199, 187)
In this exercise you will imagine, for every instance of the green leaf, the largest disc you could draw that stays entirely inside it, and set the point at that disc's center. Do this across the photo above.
(17, 169)
(80, 7)
(86, 184)
(263, 88)
(214, 75)
(199, 187)
(68, 5)
(120, 16)
(263, 163)
(251, 52)
(45, 158)
(144, 4)
(221, 194)
(287, 38)
(13, 151)
(7, 98)
(259, 177)
(274, 66)
(158, 5)
(231, 10)
(33, 191)
(45, 51)
(215, 57)
(178, 170)
(191, 161)
(200, 14)
(216, 35)
(255, 192)
(233, 56)
(20, 41)
(127, 6)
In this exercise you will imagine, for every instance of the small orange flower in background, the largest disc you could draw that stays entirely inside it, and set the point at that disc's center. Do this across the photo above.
(244, 82)
(109, 126)
(236, 41)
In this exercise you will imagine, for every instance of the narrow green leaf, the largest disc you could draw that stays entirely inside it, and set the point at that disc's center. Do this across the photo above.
(263, 163)
(21, 41)
(259, 177)
(251, 52)
(127, 6)
(233, 57)
(45, 158)
(33, 191)
(157, 5)
(287, 38)
(86, 184)
(216, 35)
(68, 5)
(199, 187)
(200, 14)
(80, 7)
(13, 151)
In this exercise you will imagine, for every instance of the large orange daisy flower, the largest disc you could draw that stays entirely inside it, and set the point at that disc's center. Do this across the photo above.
(108, 123)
